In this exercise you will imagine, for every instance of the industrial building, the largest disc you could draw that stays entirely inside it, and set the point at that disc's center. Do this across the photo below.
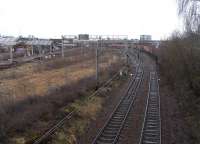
(145, 37)
(83, 36)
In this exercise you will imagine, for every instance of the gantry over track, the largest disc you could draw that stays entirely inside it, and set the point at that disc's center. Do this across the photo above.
(109, 134)
(151, 131)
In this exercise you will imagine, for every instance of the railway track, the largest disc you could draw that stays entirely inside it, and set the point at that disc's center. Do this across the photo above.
(110, 132)
(151, 131)
(52, 130)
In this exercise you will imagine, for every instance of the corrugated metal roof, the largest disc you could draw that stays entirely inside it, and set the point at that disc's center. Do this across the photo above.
(42, 42)
(8, 41)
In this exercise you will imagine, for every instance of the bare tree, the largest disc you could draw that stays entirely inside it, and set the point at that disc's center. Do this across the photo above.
(190, 10)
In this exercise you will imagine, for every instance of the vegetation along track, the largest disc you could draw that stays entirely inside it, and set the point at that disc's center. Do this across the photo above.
(151, 131)
(110, 132)
(71, 114)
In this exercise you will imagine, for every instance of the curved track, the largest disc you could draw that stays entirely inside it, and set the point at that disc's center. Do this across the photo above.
(110, 132)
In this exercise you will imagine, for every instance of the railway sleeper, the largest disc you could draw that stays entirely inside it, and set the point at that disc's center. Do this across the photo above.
(153, 102)
(118, 116)
(151, 126)
(99, 142)
(149, 142)
(108, 136)
(107, 132)
(153, 114)
(108, 140)
(153, 111)
(115, 122)
(153, 121)
(123, 107)
(151, 139)
(120, 112)
(151, 117)
(111, 129)
(114, 126)
(148, 134)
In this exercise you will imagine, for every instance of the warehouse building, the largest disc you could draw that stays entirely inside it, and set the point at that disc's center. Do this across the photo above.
(145, 38)
(83, 36)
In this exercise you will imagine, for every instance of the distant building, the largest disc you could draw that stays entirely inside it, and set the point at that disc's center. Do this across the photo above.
(8, 41)
(83, 36)
(145, 38)
(39, 46)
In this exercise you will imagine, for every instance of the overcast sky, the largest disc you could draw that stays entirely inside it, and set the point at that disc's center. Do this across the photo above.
(53, 18)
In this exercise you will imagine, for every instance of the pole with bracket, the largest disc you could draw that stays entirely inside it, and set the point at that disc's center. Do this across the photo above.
(97, 65)
(11, 54)
(62, 47)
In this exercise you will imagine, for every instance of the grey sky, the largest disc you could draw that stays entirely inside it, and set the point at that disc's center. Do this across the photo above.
(53, 18)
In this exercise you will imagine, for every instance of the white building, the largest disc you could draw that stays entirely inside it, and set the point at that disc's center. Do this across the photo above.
(145, 38)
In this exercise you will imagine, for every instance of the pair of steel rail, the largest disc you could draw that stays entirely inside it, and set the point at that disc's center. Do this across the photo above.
(111, 131)
(151, 130)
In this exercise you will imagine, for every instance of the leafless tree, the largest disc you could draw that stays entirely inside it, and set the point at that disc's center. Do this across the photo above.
(190, 10)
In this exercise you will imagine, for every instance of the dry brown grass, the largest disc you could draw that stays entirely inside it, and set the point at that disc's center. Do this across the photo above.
(86, 111)
(27, 82)
(36, 90)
